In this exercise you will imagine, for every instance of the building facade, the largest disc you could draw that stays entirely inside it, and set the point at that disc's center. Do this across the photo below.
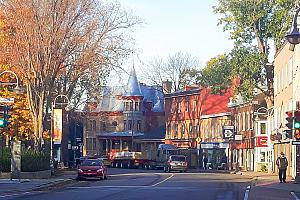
(194, 121)
(249, 147)
(286, 90)
(127, 118)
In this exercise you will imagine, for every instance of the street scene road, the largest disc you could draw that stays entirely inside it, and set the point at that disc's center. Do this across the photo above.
(133, 184)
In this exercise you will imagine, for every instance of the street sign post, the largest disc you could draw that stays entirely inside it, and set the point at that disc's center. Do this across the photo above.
(296, 142)
(7, 100)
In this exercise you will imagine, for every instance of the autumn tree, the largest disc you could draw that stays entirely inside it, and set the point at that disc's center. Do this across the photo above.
(179, 69)
(64, 46)
(257, 27)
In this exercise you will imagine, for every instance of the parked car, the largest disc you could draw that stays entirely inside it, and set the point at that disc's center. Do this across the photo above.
(105, 161)
(176, 163)
(92, 168)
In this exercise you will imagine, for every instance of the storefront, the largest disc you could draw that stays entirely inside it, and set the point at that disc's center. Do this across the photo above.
(217, 154)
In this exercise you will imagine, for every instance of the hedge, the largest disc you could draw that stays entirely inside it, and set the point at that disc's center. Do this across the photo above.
(5, 156)
(32, 161)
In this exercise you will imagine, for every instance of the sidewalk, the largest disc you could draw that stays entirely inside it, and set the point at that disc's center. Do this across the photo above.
(61, 177)
(271, 181)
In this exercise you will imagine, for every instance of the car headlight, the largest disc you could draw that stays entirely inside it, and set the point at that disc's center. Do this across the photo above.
(80, 170)
(99, 170)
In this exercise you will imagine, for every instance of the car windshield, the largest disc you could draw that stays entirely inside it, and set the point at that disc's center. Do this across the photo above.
(178, 158)
(91, 163)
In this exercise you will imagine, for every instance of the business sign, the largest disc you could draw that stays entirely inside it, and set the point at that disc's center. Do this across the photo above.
(228, 132)
(214, 145)
(262, 141)
(57, 125)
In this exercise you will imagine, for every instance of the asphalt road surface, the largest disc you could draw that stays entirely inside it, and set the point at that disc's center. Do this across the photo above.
(146, 185)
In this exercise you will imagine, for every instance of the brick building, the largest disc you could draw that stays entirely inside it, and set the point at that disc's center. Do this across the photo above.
(197, 114)
(129, 118)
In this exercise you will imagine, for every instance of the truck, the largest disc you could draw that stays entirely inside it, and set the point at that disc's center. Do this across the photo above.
(127, 159)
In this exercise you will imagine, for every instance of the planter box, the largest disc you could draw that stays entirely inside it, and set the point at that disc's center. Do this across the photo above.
(33, 175)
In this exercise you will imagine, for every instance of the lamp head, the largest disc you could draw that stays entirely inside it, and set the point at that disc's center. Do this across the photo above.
(294, 36)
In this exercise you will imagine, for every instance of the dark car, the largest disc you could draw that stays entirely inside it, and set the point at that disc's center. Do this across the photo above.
(176, 163)
(91, 169)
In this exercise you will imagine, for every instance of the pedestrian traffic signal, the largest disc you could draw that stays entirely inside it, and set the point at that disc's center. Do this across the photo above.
(289, 120)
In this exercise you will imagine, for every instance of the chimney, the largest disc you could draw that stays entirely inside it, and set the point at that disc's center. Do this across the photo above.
(167, 86)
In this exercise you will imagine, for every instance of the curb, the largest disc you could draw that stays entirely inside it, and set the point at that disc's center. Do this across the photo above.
(54, 185)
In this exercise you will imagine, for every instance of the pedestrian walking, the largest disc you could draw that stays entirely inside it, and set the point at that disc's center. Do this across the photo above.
(282, 164)
(205, 160)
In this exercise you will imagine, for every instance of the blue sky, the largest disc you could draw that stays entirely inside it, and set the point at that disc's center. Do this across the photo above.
(189, 26)
(171, 26)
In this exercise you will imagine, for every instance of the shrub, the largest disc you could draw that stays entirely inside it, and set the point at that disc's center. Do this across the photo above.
(5, 156)
(32, 160)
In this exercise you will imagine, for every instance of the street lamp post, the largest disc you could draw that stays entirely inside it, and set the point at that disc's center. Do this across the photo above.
(52, 129)
(294, 38)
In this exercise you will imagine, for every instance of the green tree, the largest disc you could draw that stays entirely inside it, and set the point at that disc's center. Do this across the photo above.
(254, 26)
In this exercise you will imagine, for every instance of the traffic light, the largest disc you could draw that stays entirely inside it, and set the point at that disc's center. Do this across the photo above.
(289, 120)
(297, 125)
(4, 116)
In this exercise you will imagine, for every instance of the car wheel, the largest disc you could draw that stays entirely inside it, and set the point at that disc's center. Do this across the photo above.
(105, 177)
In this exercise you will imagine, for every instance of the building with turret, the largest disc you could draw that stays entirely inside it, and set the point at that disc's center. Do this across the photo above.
(126, 118)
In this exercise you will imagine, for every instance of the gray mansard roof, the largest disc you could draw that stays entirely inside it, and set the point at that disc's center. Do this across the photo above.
(133, 86)
(111, 97)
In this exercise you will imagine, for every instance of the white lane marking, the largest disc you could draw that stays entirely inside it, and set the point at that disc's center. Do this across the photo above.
(294, 195)
(247, 193)
(163, 180)
(16, 194)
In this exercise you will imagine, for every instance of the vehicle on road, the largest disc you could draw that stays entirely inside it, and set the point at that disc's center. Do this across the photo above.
(126, 159)
(92, 169)
(176, 163)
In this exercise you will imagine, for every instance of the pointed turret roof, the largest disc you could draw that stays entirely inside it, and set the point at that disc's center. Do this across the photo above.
(133, 86)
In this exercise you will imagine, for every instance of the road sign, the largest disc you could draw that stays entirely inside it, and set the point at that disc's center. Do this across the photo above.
(198, 140)
(7, 100)
(228, 132)
(296, 142)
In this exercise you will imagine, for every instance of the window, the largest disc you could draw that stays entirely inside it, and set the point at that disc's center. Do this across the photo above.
(136, 106)
(212, 131)
(92, 125)
(103, 126)
(197, 130)
(130, 125)
(191, 128)
(194, 105)
(139, 125)
(131, 106)
(176, 131)
(244, 121)
(263, 129)
(168, 130)
(178, 108)
(125, 125)
(262, 156)
(291, 70)
(207, 131)
(187, 106)
(182, 129)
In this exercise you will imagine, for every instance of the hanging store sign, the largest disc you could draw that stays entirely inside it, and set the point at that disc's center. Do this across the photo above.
(228, 132)
(57, 125)
(262, 141)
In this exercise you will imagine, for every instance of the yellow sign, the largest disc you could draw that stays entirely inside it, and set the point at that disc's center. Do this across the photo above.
(57, 125)
(198, 140)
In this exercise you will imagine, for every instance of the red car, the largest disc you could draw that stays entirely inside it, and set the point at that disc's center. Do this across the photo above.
(92, 168)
